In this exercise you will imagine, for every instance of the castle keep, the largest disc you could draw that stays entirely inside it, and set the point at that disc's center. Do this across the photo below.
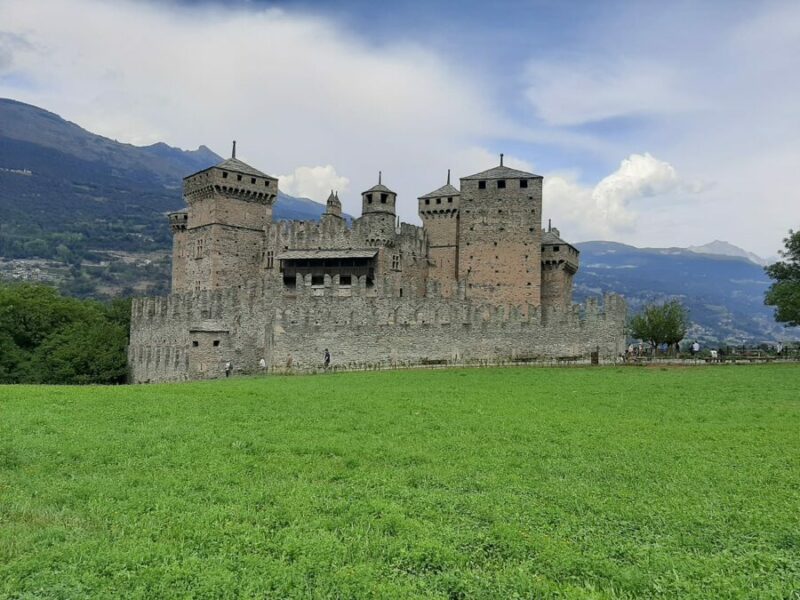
(480, 282)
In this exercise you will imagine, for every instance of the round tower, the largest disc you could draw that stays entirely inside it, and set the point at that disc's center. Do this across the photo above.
(378, 199)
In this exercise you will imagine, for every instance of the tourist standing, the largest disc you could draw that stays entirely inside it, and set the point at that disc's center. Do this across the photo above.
(326, 360)
(695, 348)
(228, 369)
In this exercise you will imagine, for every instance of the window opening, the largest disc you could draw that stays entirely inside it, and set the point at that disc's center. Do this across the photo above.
(523, 183)
(501, 184)
(481, 185)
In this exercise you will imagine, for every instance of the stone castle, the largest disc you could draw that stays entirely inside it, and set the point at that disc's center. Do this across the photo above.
(480, 282)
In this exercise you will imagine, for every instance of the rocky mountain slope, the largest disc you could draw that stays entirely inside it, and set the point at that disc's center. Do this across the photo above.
(724, 294)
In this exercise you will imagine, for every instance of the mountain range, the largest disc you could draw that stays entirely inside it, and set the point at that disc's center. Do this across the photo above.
(88, 213)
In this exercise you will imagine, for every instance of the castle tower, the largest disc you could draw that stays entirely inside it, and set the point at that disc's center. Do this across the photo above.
(378, 212)
(500, 236)
(177, 224)
(439, 213)
(559, 264)
(230, 205)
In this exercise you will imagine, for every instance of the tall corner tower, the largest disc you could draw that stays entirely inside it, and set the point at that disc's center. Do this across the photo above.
(500, 236)
(230, 205)
(439, 211)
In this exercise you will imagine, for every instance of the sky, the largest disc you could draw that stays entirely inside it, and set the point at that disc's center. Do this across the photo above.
(653, 123)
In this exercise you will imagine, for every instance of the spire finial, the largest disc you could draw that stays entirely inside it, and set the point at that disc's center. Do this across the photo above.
(549, 224)
(380, 174)
(448, 176)
(233, 152)
(501, 159)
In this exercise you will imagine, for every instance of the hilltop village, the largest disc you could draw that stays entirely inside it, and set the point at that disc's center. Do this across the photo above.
(479, 282)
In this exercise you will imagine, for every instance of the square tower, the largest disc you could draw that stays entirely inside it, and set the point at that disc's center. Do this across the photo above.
(500, 236)
(229, 207)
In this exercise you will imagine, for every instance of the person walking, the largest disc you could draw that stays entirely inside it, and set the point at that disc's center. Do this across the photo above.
(262, 364)
(326, 360)
(228, 369)
(695, 348)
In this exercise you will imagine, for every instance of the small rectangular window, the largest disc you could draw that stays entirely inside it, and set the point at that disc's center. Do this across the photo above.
(270, 259)
(383, 198)
(224, 175)
(438, 201)
(195, 343)
(556, 248)
(238, 178)
(216, 343)
(345, 280)
(252, 180)
(501, 184)
(266, 183)
(317, 280)
(369, 198)
(427, 202)
(450, 200)
(523, 183)
(481, 185)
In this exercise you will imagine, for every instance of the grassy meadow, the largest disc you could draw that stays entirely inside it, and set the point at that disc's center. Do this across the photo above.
(483, 483)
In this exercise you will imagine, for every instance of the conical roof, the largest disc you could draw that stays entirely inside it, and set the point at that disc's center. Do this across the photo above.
(379, 187)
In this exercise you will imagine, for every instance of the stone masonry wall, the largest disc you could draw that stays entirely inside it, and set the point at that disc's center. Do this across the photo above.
(190, 336)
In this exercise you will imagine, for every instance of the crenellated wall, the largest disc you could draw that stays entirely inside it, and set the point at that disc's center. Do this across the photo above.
(191, 336)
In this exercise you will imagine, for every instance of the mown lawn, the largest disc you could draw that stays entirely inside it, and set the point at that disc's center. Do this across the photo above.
(496, 483)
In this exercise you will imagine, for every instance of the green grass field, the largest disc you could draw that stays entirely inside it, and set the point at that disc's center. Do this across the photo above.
(495, 483)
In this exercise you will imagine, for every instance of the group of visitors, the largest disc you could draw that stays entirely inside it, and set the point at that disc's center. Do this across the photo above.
(262, 364)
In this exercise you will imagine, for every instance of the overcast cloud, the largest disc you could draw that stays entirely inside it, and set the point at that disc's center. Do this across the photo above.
(656, 127)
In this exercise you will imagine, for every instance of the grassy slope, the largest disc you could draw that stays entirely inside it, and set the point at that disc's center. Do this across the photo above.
(476, 483)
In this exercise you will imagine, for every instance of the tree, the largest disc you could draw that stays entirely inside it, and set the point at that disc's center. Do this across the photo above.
(660, 323)
(784, 293)
(49, 338)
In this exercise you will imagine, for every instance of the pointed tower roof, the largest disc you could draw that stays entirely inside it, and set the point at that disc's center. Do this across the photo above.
(503, 172)
(445, 190)
(235, 165)
(379, 187)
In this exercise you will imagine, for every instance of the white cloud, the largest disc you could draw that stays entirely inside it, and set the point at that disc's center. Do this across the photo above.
(611, 207)
(313, 182)
(586, 91)
(292, 88)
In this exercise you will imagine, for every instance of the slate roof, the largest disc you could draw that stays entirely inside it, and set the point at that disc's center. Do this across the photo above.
(445, 190)
(551, 239)
(503, 173)
(379, 187)
(321, 254)
(236, 166)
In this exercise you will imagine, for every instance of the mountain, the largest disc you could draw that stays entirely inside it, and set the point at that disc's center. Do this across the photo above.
(724, 294)
(73, 203)
(721, 248)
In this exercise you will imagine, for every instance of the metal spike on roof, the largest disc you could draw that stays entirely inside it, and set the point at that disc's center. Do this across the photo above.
(233, 151)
